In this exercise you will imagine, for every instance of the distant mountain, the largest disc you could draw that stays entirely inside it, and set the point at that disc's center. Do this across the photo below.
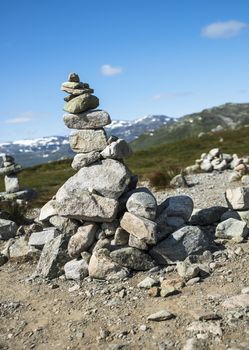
(227, 116)
(45, 149)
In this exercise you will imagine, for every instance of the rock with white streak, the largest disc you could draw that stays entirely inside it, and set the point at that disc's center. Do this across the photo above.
(231, 229)
(117, 150)
(142, 204)
(141, 228)
(108, 178)
(238, 198)
(88, 140)
(82, 239)
(76, 269)
(93, 119)
(84, 159)
(83, 205)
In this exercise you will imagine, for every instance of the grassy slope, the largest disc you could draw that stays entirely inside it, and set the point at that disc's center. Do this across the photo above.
(47, 178)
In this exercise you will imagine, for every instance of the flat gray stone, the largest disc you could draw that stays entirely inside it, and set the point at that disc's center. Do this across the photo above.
(81, 104)
(108, 178)
(82, 205)
(132, 258)
(88, 140)
(8, 229)
(39, 239)
(64, 225)
(94, 119)
(188, 240)
(12, 169)
(76, 269)
(162, 315)
(84, 159)
(207, 216)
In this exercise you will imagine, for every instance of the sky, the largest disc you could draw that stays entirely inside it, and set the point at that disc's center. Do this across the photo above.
(170, 57)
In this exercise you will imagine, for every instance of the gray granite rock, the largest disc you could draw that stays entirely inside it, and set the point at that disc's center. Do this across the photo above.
(20, 248)
(82, 239)
(142, 204)
(207, 216)
(232, 229)
(8, 229)
(88, 140)
(108, 178)
(117, 150)
(132, 258)
(39, 239)
(81, 104)
(93, 119)
(179, 245)
(141, 228)
(82, 205)
(64, 225)
(76, 269)
(137, 243)
(121, 237)
(177, 206)
(84, 159)
(48, 210)
(53, 258)
(11, 183)
(101, 266)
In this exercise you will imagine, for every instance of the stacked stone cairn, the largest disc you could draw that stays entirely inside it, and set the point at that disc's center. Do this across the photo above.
(12, 188)
(99, 223)
(216, 160)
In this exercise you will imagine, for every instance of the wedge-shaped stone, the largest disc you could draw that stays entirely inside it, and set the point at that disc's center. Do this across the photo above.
(141, 228)
(88, 140)
(132, 258)
(81, 103)
(238, 198)
(108, 178)
(84, 159)
(117, 150)
(101, 266)
(48, 210)
(39, 239)
(12, 169)
(53, 258)
(94, 119)
(86, 206)
(179, 245)
(82, 239)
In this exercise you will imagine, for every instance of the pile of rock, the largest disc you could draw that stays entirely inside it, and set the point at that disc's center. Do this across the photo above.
(99, 223)
(12, 189)
(215, 160)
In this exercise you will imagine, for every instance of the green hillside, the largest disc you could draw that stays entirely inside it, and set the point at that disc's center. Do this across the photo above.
(154, 163)
(229, 115)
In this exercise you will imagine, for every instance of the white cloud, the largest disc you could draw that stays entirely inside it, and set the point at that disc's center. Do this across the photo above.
(171, 95)
(21, 118)
(226, 29)
(108, 70)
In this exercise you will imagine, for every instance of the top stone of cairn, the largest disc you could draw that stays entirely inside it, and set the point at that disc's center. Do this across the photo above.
(73, 77)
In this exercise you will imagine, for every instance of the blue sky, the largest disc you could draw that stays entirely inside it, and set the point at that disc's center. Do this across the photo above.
(169, 57)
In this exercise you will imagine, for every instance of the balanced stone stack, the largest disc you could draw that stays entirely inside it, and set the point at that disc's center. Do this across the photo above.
(12, 189)
(102, 225)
